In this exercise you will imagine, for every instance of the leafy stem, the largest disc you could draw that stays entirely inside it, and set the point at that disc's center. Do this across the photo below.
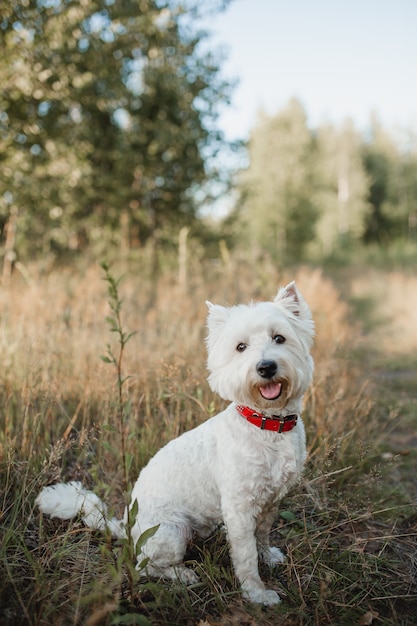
(115, 324)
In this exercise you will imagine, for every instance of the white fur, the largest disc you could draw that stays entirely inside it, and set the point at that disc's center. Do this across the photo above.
(66, 500)
(226, 470)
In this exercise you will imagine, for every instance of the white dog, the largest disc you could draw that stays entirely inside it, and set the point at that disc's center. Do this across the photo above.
(235, 467)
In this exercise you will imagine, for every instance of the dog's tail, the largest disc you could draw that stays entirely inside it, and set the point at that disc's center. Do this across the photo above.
(66, 500)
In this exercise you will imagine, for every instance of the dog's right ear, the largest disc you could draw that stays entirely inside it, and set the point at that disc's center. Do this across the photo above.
(217, 315)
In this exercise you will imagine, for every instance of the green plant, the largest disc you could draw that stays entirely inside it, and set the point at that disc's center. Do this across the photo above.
(115, 324)
(129, 550)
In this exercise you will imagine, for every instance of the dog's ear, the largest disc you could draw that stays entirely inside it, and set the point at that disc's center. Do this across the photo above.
(217, 315)
(292, 300)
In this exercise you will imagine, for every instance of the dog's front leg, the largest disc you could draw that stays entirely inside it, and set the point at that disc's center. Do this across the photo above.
(270, 556)
(241, 526)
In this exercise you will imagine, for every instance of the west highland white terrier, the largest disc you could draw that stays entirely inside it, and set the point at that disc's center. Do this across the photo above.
(234, 468)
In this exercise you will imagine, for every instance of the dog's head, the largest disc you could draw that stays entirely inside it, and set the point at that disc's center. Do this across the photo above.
(259, 354)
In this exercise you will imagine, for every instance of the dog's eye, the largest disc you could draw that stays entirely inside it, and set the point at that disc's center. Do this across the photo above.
(241, 347)
(279, 339)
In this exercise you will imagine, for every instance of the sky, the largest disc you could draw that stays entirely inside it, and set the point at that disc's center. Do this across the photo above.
(340, 58)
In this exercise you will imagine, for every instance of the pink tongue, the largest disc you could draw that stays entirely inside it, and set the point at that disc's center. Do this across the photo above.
(271, 391)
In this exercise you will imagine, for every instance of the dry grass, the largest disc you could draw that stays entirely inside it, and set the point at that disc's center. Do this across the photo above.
(394, 299)
(58, 421)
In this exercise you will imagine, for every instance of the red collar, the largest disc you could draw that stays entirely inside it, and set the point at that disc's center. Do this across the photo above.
(277, 423)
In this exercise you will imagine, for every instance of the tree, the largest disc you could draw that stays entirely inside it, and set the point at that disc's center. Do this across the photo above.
(108, 117)
(342, 187)
(392, 172)
(279, 207)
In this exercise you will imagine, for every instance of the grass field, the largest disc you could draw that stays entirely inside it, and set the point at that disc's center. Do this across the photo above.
(349, 529)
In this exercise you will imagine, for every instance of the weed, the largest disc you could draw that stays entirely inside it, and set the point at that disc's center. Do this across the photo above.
(123, 409)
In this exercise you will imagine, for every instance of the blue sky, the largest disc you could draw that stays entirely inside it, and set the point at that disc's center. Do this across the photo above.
(340, 58)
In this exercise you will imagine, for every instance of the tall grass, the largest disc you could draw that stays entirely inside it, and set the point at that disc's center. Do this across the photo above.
(58, 419)
(392, 298)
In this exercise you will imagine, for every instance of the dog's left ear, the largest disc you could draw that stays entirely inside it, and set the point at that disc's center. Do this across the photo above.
(292, 299)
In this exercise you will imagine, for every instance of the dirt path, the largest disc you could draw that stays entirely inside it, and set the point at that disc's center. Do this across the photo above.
(386, 305)
(395, 387)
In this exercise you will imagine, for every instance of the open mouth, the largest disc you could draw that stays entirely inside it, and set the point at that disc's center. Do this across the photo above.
(271, 391)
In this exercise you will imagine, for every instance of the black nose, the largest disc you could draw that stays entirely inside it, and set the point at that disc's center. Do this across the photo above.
(266, 369)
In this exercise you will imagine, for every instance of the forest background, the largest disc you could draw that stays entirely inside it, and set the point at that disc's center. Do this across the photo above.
(109, 144)
(110, 151)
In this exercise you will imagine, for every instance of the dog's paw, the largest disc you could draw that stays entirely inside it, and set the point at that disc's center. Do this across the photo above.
(275, 556)
(263, 596)
(180, 573)
(272, 556)
(186, 576)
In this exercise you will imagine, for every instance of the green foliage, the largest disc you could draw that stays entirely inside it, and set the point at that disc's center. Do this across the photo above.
(341, 188)
(108, 143)
(115, 325)
(320, 193)
(278, 185)
(107, 121)
(126, 560)
(392, 193)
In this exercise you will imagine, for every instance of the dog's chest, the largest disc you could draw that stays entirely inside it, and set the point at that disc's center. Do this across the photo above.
(278, 470)
(264, 470)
